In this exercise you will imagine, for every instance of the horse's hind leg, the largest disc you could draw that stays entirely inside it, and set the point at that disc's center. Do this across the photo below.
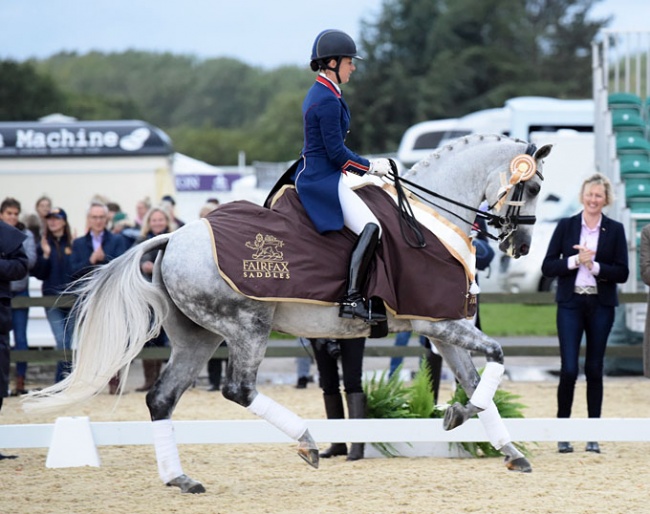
(460, 362)
(245, 356)
(192, 346)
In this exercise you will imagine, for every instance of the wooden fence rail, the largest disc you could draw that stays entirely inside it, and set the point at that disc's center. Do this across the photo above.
(46, 355)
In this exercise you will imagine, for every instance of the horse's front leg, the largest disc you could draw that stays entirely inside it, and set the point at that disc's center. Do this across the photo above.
(460, 362)
(462, 334)
(239, 386)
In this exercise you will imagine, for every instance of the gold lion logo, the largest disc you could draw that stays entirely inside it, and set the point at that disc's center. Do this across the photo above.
(266, 247)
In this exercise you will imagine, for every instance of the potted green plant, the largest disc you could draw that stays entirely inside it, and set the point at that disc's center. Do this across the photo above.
(392, 398)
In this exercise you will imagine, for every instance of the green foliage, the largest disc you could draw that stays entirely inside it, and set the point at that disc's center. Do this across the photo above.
(431, 59)
(213, 145)
(387, 397)
(420, 396)
(424, 59)
(26, 94)
(391, 398)
(212, 109)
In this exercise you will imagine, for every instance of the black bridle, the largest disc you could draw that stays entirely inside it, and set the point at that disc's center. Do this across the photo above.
(506, 224)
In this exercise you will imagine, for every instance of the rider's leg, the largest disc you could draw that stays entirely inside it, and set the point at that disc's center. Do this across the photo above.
(358, 217)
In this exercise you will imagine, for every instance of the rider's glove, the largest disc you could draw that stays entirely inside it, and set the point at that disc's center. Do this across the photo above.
(379, 167)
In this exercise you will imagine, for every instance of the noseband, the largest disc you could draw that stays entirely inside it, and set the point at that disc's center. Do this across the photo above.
(509, 223)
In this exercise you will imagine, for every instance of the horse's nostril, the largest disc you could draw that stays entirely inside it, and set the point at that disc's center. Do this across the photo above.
(524, 249)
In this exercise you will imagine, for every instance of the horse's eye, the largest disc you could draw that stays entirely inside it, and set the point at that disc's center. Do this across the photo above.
(533, 189)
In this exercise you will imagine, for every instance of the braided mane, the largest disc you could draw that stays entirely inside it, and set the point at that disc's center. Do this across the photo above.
(456, 146)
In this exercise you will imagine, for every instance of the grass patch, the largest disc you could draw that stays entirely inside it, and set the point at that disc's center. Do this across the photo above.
(506, 319)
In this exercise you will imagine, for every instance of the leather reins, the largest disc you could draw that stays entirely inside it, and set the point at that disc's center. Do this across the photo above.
(508, 223)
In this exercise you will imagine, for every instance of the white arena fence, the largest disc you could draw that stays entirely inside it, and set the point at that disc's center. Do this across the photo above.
(356, 430)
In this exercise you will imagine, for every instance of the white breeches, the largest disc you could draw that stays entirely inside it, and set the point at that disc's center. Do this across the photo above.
(356, 214)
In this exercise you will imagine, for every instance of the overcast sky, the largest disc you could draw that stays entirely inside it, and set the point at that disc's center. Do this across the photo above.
(265, 33)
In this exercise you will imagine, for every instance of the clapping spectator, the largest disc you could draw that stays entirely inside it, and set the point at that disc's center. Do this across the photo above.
(98, 246)
(53, 267)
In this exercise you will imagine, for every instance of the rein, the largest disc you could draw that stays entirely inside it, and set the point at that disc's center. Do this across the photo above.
(507, 223)
(407, 219)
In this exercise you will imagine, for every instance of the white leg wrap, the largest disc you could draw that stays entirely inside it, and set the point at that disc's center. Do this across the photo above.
(280, 417)
(169, 463)
(494, 427)
(488, 385)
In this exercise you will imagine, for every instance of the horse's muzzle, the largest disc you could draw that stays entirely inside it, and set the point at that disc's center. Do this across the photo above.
(511, 249)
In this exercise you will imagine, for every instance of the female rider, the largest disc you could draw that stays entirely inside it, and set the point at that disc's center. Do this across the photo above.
(328, 201)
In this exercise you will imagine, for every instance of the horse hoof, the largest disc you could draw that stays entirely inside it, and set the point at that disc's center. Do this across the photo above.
(454, 416)
(186, 485)
(520, 464)
(310, 456)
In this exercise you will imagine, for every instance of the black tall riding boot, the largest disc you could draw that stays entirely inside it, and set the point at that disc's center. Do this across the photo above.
(334, 410)
(356, 410)
(354, 305)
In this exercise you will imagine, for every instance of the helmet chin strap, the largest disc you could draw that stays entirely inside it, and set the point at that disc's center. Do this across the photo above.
(336, 69)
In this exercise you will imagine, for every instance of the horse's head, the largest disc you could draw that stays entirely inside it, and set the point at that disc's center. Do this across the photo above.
(512, 195)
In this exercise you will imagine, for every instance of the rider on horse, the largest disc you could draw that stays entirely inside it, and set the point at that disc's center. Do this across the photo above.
(328, 201)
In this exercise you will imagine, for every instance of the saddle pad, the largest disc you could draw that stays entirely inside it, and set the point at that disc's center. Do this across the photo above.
(277, 255)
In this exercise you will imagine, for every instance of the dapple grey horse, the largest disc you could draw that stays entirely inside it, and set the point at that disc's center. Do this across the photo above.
(117, 310)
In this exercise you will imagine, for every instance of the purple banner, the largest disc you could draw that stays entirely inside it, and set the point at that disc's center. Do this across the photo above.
(217, 182)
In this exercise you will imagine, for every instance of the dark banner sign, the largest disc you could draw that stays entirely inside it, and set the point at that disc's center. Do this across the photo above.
(82, 139)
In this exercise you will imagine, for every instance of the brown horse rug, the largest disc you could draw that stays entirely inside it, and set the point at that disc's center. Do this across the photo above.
(276, 255)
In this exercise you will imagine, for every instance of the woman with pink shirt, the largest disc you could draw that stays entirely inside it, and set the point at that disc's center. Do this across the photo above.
(588, 255)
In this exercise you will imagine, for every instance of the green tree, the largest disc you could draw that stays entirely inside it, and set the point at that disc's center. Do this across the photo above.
(278, 132)
(214, 145)
(152, 84)
(431, 59)
(26, 94)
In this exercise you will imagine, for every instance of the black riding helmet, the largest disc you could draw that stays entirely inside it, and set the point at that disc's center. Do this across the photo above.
(332, 44)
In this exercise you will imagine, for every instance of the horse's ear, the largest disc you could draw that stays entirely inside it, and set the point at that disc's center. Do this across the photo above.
(543, 152)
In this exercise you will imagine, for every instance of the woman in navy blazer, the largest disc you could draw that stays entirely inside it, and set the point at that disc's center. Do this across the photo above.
(588, 255)
(328, 201)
